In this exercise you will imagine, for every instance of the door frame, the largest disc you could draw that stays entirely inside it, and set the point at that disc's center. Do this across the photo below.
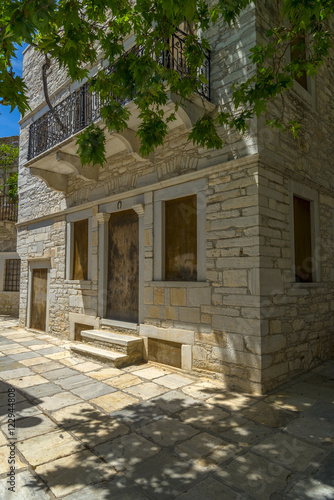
(38, 264)
(135, 203)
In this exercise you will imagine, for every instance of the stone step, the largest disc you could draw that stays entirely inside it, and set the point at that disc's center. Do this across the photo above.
(114, 358)
(127, 344)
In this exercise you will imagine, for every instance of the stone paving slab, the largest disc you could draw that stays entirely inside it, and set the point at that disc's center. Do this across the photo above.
(47, 367)
(44, 448)
(32, 426)
(87, 366)
(4, 397)
(69, 474)
(74, 381)
(309, 489)
(98, 430)
(15, 373)
(127, 451)
(71, 415)
(168, 431)
(173, 381)
(207, 450)
(139, 414)
(202, 415)
(35, 361)
(210, 488)
(193, 441)
(268, 414)
(27, 381)
(63, 372)
(146, 390)
(59, 400)
(3, 439)
(93, 389)
(238, 429)
(4, 454)
(27, 487)
(41, 391)
(150, 373)
(24, 355)
(164, 476)
(117, 489)
(174, 401)
(256, 476)
(123, 381)
(114, 401)
(290, 452)
(105, 373)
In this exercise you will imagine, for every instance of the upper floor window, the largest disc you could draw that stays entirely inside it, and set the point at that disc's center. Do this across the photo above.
(298, 51)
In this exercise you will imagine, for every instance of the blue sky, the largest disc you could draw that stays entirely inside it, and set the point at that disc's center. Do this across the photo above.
(9, 121)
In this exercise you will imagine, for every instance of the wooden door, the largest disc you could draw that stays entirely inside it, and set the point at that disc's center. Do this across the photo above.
(123, 262)
(39, 299)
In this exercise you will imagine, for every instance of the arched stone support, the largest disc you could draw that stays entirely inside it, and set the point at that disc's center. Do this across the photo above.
(85, 172)
(58, 182)
(132, 144)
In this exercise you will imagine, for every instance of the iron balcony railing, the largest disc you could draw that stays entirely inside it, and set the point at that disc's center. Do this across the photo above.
(8, 208)
(82, 107)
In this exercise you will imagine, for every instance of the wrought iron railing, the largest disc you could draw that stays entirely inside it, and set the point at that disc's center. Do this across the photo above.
(82, 107)
(8, 208)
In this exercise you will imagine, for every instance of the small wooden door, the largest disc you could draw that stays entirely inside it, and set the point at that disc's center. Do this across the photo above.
(123, 272)
(39, 299)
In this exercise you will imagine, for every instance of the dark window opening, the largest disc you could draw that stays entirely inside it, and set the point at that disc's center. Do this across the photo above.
(181, 239)
(302, 240)
(12, 275)
(298, 51)
(80, 250)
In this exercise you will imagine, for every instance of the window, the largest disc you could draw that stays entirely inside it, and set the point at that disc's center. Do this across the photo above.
(298, 51)
(302, 240)
(179, 233)
(12, 275)
(181, 239)
(80, 250)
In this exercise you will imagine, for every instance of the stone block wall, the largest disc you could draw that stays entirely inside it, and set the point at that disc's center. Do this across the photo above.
(9, 303)
(297, 317)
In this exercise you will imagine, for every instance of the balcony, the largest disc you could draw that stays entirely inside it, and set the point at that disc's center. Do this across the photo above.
(8, 208)
(82, 107)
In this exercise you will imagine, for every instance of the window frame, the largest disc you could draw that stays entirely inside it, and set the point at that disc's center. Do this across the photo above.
(311, 195)
(308, 95)
(3, 257)
(11, 280)
(197, 188)
(70, 220)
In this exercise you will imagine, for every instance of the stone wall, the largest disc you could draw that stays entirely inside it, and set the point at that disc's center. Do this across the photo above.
(9, 303)
(7, 236)
(296, 317)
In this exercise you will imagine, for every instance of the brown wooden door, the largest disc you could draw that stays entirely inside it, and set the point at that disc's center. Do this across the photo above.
(39, 299)
(123, 275)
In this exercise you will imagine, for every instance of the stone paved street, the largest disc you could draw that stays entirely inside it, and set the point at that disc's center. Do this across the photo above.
(85, 430)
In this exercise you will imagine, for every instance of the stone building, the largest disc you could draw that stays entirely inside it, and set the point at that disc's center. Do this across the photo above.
(9, 258)
(219, 261)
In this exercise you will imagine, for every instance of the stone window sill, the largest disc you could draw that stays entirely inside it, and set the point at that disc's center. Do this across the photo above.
(306, 285)
(180, 284)
(77, 282)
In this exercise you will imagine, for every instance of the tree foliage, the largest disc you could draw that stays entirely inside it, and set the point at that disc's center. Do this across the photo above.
(8, 159)
(72, 32)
